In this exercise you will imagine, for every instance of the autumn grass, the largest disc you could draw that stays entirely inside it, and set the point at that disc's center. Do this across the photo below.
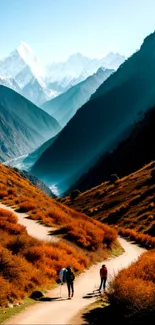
(27, 264)
(129, 203)
(19, 192)
(141, 239)
(134, 288)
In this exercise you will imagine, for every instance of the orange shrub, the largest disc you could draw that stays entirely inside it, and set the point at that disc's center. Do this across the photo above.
(12, 228)
(58, 217)
(142, 239)
(4, 290)
(19, 244)
(8, 216)
(3, 193)
(27, 205)
(85, 234)
(110, 235)
(134, 287)
(11, 191)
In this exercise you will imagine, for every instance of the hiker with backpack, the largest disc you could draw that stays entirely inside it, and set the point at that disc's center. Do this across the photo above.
(103, 276)
(70, 281)
(67, 276)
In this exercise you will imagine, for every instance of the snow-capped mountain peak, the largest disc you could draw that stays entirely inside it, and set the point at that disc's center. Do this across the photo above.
(29, 57)
(26, 52)
(78, 67)
(22, 64)
(40, 83)
(77, 57)
(25, 69)
(112, 60)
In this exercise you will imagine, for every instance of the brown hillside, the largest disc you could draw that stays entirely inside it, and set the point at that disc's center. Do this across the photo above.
(129, 202)
(27, 263)
(74, 226)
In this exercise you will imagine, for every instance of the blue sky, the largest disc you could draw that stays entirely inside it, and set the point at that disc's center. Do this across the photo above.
(57, 28)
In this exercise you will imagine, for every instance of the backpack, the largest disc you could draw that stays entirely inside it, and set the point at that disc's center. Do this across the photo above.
(62, 275)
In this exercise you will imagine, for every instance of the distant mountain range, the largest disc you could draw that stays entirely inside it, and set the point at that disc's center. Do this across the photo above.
(24, 67)
(63, 75)
(39, 84)
(64, 106)
(103, 122)
(23, 126)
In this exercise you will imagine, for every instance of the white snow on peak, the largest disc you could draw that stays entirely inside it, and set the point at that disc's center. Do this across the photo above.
(10, 83)
(23, 48)
(78, 67)
(23, 66)
(29, 57)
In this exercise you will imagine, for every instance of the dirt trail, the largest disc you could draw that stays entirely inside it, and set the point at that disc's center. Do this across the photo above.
(61, 310)
(34, 229)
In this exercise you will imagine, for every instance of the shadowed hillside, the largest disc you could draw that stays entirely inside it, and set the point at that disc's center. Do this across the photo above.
(34, 155)
(103, 122)
(64, 106)
(130, 155)
(127, 202)
(23, 126)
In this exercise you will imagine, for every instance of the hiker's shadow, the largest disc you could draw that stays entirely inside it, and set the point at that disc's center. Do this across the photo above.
(52, 299)
(94, 293)
(39, 296)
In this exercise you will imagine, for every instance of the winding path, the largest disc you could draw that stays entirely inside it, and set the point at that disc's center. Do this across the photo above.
(60, 310)
(34, 228)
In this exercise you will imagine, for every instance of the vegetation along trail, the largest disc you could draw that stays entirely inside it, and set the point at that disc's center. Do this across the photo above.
(56, 308)
(34, 228)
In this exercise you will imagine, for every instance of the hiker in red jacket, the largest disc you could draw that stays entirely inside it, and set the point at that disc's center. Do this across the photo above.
(103, 276)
